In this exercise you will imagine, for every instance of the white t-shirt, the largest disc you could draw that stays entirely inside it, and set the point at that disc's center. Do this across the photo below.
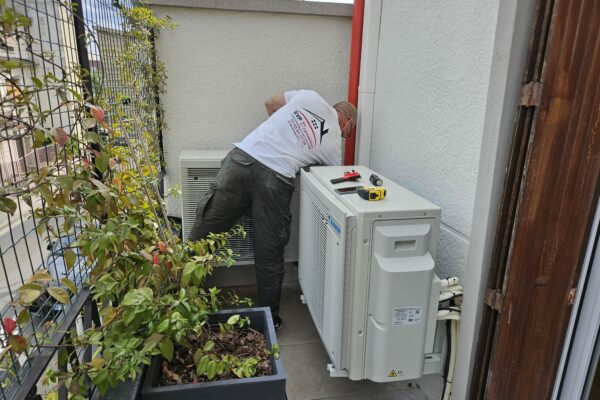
(304, 131)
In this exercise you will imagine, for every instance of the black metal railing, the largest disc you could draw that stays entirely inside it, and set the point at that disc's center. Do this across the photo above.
(60, 38)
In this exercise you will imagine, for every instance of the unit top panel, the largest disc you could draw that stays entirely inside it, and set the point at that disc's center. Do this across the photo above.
(399, 201)
(193, 155)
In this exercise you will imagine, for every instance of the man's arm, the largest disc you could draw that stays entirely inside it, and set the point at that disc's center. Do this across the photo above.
(274, 103)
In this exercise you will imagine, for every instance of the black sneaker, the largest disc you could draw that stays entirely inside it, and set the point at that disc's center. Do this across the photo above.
(277, 322)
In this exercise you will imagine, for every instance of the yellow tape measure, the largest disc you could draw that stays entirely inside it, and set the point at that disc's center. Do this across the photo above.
(372, 193)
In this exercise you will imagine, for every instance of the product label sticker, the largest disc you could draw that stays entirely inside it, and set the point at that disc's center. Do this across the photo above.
(407, 316)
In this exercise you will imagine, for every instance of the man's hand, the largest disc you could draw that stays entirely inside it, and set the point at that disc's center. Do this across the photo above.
(275, 103)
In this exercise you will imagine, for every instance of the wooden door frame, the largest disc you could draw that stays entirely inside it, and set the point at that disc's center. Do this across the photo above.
(549, 198)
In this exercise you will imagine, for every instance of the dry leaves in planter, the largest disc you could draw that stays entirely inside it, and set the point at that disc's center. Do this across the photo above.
(224, 351)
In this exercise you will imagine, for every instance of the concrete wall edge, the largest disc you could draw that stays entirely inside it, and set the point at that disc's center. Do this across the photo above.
(272, 6)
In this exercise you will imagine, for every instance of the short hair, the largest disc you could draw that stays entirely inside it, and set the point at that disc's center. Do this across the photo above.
(348, 110)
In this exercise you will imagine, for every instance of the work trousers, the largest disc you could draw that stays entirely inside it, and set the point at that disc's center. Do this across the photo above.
(244, 183)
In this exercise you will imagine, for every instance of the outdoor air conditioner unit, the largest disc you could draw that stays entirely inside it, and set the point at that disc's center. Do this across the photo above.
(198, 169)
(366, 271)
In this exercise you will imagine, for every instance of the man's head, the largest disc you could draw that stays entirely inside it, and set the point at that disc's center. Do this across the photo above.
(346, 117)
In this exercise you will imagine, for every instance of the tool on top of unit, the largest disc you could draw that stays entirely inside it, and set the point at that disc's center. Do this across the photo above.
(348, 176)
(348, 190)
(372, 193)
(375, 180)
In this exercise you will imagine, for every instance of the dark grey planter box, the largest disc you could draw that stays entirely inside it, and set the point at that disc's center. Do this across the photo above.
(270, 387)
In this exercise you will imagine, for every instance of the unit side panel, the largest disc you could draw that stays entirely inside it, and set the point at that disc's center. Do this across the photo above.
(323, 232)
(358, 301)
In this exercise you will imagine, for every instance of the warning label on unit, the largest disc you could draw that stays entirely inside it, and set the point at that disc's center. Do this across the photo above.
(407, 316)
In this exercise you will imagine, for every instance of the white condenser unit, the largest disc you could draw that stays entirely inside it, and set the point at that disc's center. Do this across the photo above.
(198, 169)
(366, 271)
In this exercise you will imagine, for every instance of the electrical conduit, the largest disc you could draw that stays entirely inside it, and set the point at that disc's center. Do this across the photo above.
(354, 73)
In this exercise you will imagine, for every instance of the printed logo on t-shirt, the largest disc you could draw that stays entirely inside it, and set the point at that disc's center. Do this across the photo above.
(308, 127)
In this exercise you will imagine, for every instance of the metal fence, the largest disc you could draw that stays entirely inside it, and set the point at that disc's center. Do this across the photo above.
(59, 38)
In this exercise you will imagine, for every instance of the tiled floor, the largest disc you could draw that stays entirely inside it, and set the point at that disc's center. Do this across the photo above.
(305, 360)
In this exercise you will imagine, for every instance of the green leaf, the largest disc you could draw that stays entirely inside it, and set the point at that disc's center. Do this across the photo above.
(93, 137)
(70, 258)
(65, 181)
(29, 292)
(211, 369)
(107, 313)
(166, 349)
(137, 297)
(198, 356)
(187, 273)
(163, 326)
(208, 346)
(69, 284)
(17, 343)
(129, 315)
(201, 365)
(24, 317)
(153, 340)
(199, 272)
(41, 276)
(10, 64)
(233, 319)
(88, 123)
(63, 356)
(102, 162)
(37, 82)
(8, 205)
(59, 294)
(40, 138)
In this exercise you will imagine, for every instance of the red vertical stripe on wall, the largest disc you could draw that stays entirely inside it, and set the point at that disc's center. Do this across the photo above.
(355, 50)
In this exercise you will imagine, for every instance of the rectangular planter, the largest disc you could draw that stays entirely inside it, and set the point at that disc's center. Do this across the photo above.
(270, 387)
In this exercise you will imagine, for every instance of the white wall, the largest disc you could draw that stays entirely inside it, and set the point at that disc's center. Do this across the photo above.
(223, 64)
(433, 71)
(445, 95)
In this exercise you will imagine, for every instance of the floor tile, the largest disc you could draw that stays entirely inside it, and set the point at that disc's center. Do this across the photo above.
(308, 379)
(297, 325)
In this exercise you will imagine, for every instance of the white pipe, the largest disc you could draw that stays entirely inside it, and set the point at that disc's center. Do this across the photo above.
(451, 317)
(368, 73)
(444, 283)
(453, 288)
(452, 362)
(448, 295)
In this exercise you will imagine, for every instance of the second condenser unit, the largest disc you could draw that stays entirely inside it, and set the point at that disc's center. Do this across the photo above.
(366, 271)
(198, 169)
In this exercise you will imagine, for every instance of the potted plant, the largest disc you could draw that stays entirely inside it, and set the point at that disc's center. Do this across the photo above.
(148, 285)
(221, 356)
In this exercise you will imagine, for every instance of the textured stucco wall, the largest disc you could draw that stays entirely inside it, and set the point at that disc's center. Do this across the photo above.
(223, 64)
(433, 72)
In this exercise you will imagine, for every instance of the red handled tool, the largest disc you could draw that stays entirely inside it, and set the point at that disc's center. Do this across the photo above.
(348, 176)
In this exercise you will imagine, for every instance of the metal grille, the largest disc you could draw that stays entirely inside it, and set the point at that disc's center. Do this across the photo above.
(322, 271)
(195, 183)
(60, 39)
(196, 180)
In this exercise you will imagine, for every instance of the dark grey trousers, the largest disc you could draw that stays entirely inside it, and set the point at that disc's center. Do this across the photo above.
(243, 183)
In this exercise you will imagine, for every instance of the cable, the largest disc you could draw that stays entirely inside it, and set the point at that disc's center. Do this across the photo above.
(450, 377)
(451, 297)
(447, 361)
(449, 282)
(453, 288)
(449, 308)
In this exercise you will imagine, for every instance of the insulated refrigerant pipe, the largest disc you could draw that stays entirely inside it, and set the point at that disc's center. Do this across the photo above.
(354, 74)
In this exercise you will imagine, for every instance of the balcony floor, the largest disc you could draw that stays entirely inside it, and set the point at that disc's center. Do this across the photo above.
(305, 359)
